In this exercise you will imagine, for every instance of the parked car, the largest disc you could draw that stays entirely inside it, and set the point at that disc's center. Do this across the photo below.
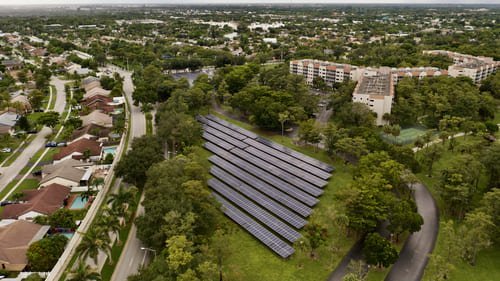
(61, 144)
(6, 150)
(51, 144)
(32, 131)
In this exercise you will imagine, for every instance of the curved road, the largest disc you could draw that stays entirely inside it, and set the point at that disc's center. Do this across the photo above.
(415, 253)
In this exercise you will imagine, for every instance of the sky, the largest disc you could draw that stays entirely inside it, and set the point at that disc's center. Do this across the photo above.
(45, 2)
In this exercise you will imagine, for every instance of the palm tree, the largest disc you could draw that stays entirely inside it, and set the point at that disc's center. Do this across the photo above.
(121, 200)
(110, 222)
(93, 241)
(84, 273)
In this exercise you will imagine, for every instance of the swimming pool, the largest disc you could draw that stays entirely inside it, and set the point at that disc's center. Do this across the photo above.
(109, 150)
(78, 203)
(68, 235)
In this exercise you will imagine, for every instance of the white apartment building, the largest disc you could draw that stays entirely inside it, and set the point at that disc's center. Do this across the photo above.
(330, 72)
(476, 68)
(377, 92)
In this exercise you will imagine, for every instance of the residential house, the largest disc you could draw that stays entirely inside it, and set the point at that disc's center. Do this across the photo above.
(15, 238)
(99, 102)
(37, 202)
(80, 150)
(7, 122)
(12, 64)
(91, 132)
(96, 91)
(69, 173)
(22, 100)
(98, 118)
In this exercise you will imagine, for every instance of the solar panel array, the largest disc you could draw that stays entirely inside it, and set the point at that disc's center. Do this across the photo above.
(266, 188)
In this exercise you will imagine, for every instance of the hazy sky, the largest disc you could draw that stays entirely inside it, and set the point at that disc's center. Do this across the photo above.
(44, 2)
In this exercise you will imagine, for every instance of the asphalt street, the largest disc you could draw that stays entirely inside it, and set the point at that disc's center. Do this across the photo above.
(132, 257)
(415, 253)
(9, 173)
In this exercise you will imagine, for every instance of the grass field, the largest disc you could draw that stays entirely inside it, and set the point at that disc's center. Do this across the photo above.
(250, 260)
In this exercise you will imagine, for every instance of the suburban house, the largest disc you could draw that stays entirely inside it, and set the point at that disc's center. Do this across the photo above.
(15, 238)
(37, 202)
(96, 91)
(12, 64)
(99, 102)
(98, 118)
(91, 132)
(21, 99)
(79, 150)
(7, 122)
(65, 174)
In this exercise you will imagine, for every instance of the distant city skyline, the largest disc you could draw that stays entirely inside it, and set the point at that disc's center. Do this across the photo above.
(184, 2)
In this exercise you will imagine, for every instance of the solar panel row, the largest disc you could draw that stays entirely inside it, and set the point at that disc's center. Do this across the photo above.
(232, 126)
(290, 159)
(287, 167)
(298, 155)
(267, 177)
(256, 196)
(213, 139)
(284, 175)
(262, 186)
(257, 212)
(265, 236)
(226, 130)
(225, 137)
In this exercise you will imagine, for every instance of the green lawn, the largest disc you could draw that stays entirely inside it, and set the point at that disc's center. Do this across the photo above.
(250, 260)
(54, 98)
(13, 143)
(26, 184)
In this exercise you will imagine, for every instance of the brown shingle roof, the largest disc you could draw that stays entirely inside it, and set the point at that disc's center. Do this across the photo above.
(79, 147)
(45, 201)
(15, 239)
(92, 129)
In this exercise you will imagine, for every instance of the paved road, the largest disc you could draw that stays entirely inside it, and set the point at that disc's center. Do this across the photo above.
(355, 253)
(132, 256)
(10, 173)
(414, 256)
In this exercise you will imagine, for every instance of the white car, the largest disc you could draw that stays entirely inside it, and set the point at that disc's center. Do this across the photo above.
(6, 150)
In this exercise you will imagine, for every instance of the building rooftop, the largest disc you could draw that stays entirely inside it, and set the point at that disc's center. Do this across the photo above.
(380, 85)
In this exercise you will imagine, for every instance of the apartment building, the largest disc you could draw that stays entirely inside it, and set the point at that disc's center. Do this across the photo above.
(376, 90)
(330, 72)
(476, 68)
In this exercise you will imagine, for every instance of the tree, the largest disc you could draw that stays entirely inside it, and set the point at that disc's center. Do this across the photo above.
(109, 222)
(332, 135)
(44, 254)
(489, 158)
(490, 205)
(23, 123)
(351, 148)
(84, 273)
(356, 115)
(476, 233)
(315, 234)
(93, 241)
(367, 202)
(49, 119)
(145, 151)
(34, 277)
(404, 217)
(63, 218)
(283, 117)
(177, 130)
(429, 156)
(36, 98)
(309, 132)
(122, 199)
(378, 251)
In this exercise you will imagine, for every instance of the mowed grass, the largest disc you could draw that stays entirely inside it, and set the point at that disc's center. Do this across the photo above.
(250, 260)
